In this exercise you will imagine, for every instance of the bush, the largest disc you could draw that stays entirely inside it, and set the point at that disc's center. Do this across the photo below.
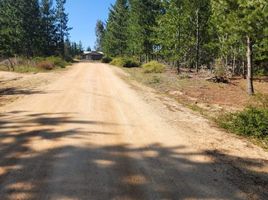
(57, 61)
(125, 62)
(46, 65)
(118, 62)
(106, 59)
(130, 62)
(251, 122)
(153, 67)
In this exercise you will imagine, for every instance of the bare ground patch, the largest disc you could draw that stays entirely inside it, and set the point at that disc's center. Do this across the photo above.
(194, 91)
(17, 85)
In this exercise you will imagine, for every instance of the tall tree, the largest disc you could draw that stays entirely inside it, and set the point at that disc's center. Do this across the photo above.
(10, 27)
(100, 30)
(33, 28)
(30, 22)
(143, 15)
(172, 32)
(48, 28)
(246, 20)
(115, 39)
(62, 25)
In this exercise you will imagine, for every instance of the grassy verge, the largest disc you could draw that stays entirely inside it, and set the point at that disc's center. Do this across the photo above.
(34, 65)
(168, 84)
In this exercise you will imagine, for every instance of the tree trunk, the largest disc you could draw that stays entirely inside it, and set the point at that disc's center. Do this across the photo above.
(234, 65)
(197, 40)
(178, 67)
(249, 67)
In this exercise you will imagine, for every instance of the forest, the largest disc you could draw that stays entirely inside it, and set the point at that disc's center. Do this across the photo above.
(33, 28)
(196, 34)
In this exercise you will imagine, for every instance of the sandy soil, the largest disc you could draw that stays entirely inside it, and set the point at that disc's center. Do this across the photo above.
(16, 85)
(91, 135)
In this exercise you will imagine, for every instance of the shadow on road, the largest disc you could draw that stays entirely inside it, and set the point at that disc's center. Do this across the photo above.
(18, 91)
(112, 171)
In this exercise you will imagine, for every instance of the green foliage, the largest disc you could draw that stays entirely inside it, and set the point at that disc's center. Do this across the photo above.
(125, 62)
(115, 37)
(118, 62)
(189, 33)
(100, 30)
(250, 122)
(106, 59)
(62, 26)
(10, 27)
(33, 28)
(261, 72)
(183, 32)
(141, 27)
(153, 67)
(131, 62)
(57, 61)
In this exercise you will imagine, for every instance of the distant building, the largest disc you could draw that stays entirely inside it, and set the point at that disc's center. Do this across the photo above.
(92, 55)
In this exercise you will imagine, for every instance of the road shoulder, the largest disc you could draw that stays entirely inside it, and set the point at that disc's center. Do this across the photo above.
(243, 163)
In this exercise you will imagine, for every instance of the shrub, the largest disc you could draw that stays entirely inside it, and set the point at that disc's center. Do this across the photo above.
(131, 62)
(125, 62)
(153, 67)
(118, 62)
(106, 59)
(251, 122)
(57, 61)
(46, 65)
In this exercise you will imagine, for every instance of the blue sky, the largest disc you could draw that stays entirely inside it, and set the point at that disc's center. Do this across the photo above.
(83, 15)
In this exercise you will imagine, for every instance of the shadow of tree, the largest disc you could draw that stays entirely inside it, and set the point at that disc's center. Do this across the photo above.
(17, 91)
(120, 171)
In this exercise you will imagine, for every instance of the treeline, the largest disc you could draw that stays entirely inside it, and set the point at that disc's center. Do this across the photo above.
(33, 28)
(190, 33)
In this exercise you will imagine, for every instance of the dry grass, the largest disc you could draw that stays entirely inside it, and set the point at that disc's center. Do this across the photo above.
(192, 89)
(207, 98)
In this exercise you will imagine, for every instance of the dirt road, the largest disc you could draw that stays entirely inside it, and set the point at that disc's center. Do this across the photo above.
(90, 135)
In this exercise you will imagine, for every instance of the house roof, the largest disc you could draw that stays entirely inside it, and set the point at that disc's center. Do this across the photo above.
(93, 53)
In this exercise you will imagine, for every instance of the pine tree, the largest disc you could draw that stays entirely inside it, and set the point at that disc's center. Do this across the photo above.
(10, 27)
(115, 39)
(242, 21)
(134, 30)
(143, 17)
(172, 32)
(62, 25)
(31, 26)
(100, 30)
(48, 31)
